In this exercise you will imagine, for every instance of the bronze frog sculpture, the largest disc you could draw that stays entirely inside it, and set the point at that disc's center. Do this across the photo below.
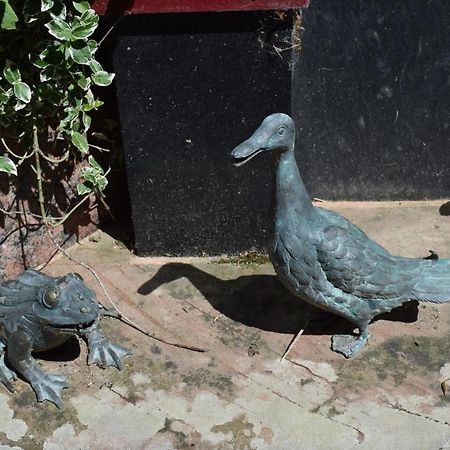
(39, 312)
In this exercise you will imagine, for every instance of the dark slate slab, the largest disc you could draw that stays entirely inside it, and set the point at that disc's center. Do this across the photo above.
(190, 87)
(372, 98)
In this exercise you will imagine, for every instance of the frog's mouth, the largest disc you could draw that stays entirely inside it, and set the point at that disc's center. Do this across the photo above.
(83, 327)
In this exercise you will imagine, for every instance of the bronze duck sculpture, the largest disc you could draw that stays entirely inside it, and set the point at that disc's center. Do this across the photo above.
(327, 261)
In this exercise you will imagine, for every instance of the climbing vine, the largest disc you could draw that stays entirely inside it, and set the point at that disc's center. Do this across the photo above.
(47, 71)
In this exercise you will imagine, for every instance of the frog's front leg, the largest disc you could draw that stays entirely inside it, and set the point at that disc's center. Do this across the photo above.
(7, 376)
(103, 352)
(46, 386)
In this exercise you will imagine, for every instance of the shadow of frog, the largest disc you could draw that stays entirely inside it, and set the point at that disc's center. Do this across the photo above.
(67, 351)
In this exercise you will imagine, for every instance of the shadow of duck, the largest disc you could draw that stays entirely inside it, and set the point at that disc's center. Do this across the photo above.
(262, 302)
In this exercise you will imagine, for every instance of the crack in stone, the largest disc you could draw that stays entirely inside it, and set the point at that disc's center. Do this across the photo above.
(309, 370)
(108, 385)
(360, 436)
(400, 408)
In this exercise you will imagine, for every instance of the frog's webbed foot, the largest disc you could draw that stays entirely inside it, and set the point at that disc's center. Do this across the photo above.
(48, 386)
(103, 352)
(7, 376)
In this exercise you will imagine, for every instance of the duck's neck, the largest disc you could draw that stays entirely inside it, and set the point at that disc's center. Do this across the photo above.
(291, 198)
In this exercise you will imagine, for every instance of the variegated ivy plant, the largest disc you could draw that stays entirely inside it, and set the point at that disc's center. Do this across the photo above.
(47, 69)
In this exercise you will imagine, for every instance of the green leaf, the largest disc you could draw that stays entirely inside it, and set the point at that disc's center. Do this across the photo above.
(46, 5)
(60, 29)
(41, 64)
(19, 105)
(82, 81)
(80, 52)
(7, 165)
(53, 55)
(89, 174)
(86, 27)
(92, 45)
(80, 142)
(81, 7)
(95, 66)
(89, 96)
(101, 137)
(83, 189)
(101, 184)
(83, 31)
(8, 17)
(93, 163)
(58, 11)
(102, 78)
(22, 91)
(5, 96)
(31, 9)
(86, 121)
(11, 73)
(89, 16)
(94, 177)
(93, 105)
(47, 74)
(46, 93)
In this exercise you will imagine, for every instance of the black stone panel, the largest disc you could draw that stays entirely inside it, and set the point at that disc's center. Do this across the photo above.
(190, 88)
(372, 99)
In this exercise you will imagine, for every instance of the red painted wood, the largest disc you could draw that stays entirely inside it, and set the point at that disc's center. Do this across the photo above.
(166, 6)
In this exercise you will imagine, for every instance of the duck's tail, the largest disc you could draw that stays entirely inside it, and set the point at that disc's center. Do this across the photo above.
(433, 284)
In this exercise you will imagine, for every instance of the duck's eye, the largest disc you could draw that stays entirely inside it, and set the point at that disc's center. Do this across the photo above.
(77, 276)
(51, 297)
(281, 131)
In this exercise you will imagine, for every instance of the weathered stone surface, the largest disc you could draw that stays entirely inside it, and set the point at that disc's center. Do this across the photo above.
(389, 396)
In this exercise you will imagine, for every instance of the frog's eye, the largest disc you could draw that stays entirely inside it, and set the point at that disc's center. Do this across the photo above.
(77, 276)
(51, 297)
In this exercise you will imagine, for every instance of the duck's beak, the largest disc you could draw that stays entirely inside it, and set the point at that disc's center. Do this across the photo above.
(245, 152)
(254, 145)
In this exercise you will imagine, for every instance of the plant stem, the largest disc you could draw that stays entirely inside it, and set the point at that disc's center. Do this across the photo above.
(54, 160)
(102, 149)
(39, 174)
(20, 158)
(117, 314)
(66, 216)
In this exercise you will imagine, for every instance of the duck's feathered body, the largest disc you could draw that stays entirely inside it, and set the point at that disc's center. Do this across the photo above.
(326, 260)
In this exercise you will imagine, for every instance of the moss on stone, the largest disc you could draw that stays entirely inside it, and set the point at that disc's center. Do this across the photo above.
(395, 359)
(249, 258)
(240, 429)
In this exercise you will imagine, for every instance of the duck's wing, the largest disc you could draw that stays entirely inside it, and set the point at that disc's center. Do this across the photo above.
(333, 218)
(354, 264)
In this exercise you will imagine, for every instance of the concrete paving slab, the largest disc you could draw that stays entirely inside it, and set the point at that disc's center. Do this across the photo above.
(240, 394)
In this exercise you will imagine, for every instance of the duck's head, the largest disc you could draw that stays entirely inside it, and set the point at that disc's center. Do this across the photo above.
(276, 133)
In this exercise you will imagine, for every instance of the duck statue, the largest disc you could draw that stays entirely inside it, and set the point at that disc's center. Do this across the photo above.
(324, 259)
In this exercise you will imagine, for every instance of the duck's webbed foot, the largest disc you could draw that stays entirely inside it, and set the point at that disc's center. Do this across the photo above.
(103, 352)
(349, 345)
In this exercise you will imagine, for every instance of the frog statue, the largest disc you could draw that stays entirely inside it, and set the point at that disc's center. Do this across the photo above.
(39, 312)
